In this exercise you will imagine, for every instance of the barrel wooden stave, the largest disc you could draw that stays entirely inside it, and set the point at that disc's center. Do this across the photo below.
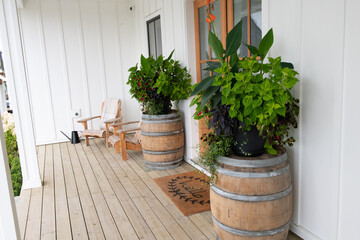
(161, 127)
(251, 216)
(163, 143)
(162, 140)
(267, 183)
(254, 186)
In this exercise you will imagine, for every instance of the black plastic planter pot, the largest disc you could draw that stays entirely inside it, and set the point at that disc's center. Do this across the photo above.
(248, 143)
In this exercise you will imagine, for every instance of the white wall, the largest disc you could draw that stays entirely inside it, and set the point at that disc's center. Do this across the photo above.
(321, 39)
(77, 54)
(177, 24)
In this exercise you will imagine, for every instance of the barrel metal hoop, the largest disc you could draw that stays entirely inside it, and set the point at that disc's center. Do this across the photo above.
(159, 134)
(254, 174)
(162, 152)
(164, 165)
(159, 117)
(253, 163)
(247, 198)
(175, 120)
(251, 233)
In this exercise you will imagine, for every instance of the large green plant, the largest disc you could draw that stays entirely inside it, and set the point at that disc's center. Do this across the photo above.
(255, 93)
(157, 82)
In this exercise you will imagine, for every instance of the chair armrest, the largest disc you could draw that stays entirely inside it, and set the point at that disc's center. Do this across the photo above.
(87, 119)
(123, 131)
(121, 124)
(113, 120)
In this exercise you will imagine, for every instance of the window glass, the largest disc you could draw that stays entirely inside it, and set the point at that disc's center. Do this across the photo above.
(256, 22)
(158, 37)
(154, 37)
(204, 73)
(240, 13)
(217, 21)
(203, 33)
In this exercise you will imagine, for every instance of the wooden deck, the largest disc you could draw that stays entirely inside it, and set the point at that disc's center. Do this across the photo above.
(90, 193)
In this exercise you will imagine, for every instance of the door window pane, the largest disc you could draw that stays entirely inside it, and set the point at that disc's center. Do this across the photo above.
(256, 22)
(203, 33)
(204, 73)
(217, 21)
(240, 13)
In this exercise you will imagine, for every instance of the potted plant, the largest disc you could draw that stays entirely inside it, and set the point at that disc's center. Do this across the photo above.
(249, 107)
(159, 84)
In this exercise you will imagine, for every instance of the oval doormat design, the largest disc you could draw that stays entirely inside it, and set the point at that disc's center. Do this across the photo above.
(190, 192)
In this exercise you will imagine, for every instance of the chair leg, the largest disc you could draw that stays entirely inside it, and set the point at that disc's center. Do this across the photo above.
(87, 141)
(123, 147)
(117, 147)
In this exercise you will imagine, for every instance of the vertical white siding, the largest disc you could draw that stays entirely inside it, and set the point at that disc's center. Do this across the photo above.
(349, 211)
(175, 35)
(77, 54)
(323, 44)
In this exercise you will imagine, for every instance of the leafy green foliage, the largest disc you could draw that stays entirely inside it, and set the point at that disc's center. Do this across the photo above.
(255, 93)
(259, 95)
(157, 82)
(214, 146)
(14, 161)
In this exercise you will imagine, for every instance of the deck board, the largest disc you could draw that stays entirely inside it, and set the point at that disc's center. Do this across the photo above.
(89, 192)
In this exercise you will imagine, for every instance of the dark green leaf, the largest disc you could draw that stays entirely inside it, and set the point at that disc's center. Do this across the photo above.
(281, 111)
(233, 40)
(233, 63)
(217, 98)
(216, 47)
(212, 65)
(170, 55)
(204, 84)
(266, 43)
(287, 65)
(252, 49)
(145, 63)
(208, 94)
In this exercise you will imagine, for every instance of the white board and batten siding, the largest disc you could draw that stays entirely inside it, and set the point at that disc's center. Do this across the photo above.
(320, 38)
(77, 54)
(177, 32)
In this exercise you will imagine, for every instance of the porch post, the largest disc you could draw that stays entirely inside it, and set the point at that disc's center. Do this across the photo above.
(9, 226)
(18, 92)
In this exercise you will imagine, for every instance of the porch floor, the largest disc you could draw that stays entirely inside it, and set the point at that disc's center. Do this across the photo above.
(90, 193)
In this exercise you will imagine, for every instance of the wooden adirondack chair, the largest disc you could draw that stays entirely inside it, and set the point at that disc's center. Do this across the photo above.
(110, 113)
(122, 140)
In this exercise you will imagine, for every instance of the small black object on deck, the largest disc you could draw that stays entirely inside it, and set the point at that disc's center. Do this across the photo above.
(74, 137)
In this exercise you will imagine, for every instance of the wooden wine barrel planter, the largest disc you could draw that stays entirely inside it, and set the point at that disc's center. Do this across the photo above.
(162, 140)
(252, 198)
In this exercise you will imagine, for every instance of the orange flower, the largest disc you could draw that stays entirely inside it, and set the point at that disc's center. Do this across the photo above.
(208, 20)
(212, 17)
(208, 2)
